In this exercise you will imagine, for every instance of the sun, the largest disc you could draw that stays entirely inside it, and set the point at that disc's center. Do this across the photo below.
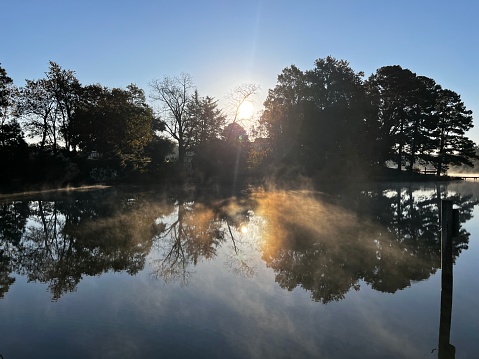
(245, 111)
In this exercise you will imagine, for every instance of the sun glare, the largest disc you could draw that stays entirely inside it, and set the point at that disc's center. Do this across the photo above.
(245, 111)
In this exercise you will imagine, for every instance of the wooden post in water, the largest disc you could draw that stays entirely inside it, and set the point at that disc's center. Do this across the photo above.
(449, 230)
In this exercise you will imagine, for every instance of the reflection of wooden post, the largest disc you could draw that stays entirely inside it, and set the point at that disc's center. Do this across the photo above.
(450, 229)
(446, 227)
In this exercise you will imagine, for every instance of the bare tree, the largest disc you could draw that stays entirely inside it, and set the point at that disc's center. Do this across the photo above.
(238, 96)
(174, 94)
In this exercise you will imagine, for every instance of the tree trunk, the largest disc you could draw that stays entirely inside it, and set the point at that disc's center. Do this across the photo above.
(439, 167)
(400, 158)
(181, 152)
(440, 161)
(44, 133)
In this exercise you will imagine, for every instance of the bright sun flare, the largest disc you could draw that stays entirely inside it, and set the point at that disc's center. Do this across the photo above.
(246, 110)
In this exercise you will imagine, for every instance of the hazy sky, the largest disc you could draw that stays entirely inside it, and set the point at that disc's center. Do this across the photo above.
(225, 43)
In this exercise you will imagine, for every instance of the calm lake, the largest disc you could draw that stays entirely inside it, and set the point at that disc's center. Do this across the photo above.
(337, 273)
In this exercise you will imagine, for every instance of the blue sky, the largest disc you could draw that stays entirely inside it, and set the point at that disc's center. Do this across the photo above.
(225, 43)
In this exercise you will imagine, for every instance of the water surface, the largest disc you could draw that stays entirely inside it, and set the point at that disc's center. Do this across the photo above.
(343, 273)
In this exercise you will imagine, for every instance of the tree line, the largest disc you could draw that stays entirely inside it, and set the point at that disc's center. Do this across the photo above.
(329, 120)
(53, 127)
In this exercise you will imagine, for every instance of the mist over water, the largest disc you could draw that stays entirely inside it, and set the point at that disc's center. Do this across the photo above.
(350, 272)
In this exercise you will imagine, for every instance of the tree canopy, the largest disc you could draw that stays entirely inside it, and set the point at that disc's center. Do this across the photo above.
(6, 93)
(114, 122)
(325, 122)
(330, 119)
(419, 121)
(317, 118)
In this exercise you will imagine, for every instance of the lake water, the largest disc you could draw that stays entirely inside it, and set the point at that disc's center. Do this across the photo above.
(348, 273)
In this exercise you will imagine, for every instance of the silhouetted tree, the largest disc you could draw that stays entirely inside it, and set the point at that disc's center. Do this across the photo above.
(282, 114)
(317, 119)
(116, 123)
(423, 121)
(393, 89)
(48, 105)
(237, 97)
(13, 152)
(206, 120)
(453, 147)
(235, 133)
(174, 95)
(7, 92)
(418, 120)
(334, 129)
(11, 135)
(37, 107)
(157, 151)
(65, 88)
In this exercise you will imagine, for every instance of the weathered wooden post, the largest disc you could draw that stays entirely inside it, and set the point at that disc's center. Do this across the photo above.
(449, 231)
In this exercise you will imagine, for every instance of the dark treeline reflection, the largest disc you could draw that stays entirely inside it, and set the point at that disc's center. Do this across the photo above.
(386, 238)
(59, 241)
(327, 244)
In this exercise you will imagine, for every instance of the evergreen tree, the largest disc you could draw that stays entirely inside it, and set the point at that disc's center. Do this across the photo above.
(206, 121)
(454, 120)
(393, 90)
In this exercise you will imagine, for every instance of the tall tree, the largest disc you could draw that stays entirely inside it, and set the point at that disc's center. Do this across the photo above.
(454, 120)
(36, 106)
(116, 123)
(240, 96)
(13, 152)
(282, 116)
(65, 89)
(13, 148)
(207, 121)
(334, 133)
(423, 121)
(7, 90)
(174, 95)
(11, 140)
(317, 118)
(418, 120)
(394, 89)
(48, 105)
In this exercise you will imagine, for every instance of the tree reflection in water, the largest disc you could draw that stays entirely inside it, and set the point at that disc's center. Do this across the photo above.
(13, 218)
(65, 240)
(326, 244)
(388, 239)
(195, 232)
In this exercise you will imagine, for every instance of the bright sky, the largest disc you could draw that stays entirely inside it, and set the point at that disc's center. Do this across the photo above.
(224, 43)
